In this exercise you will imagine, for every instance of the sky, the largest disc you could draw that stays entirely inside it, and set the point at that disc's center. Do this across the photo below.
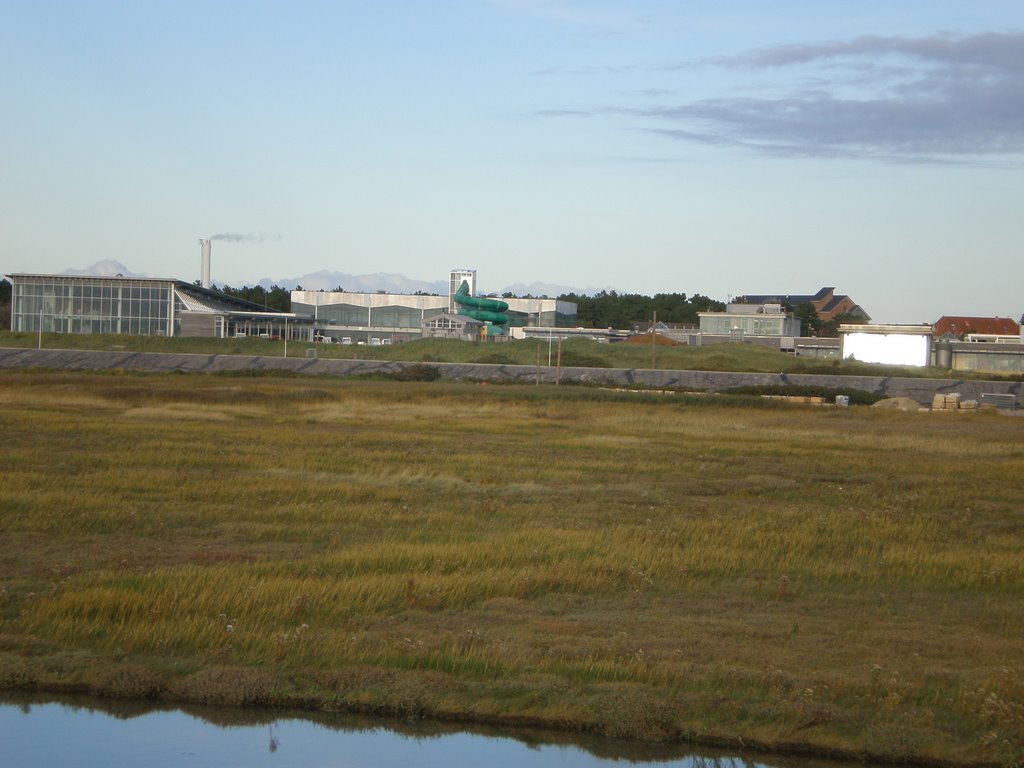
(718, 147)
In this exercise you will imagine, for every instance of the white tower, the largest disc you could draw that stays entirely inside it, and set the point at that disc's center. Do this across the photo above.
(204, 278)
(456, 277)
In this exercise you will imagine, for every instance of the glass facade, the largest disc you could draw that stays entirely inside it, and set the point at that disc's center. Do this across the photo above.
(540, 319)
(354, 316)
(396, 316)
(446, 322)
(996, 361)
(92, 305)
(723, 324)
(332, 314)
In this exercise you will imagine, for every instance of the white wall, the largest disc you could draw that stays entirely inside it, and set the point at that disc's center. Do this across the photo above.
(888, 348)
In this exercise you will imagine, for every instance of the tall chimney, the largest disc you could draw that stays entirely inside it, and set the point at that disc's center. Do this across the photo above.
(205, 276)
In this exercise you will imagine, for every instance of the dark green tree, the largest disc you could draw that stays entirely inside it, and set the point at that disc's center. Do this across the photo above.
(5, 305)
(830, 328)
(811, 323)
(609, 309)
(277, 298)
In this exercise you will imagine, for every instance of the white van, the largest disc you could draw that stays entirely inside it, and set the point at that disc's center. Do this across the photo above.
(346, 339)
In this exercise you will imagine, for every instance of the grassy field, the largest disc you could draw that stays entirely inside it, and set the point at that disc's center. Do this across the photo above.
(660, 567)
(574, 352)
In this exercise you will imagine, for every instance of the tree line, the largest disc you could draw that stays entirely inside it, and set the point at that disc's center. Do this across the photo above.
(610, 309)
(276, 298)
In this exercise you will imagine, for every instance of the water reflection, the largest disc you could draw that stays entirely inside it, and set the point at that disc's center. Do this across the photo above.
(87, 732)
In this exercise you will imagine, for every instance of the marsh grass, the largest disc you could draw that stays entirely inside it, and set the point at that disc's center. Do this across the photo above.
(646, 567)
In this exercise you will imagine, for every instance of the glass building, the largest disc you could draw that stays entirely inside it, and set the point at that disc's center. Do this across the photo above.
(982, 356)
(748, 323)
(139, 306)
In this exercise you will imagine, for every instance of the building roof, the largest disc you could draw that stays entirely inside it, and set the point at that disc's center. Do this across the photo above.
(132, 279)
(833, 304)
(220, 300)
(958, 325)
(889, 329)
(793, 299)
(826, 302)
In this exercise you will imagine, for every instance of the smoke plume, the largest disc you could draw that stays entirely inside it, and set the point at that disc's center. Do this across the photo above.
(234, 237)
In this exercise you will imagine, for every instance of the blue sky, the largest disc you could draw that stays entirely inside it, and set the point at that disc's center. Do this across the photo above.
(706, 147)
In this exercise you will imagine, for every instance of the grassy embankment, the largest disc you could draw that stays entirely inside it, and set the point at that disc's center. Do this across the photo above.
(653, 567)
(575, 352)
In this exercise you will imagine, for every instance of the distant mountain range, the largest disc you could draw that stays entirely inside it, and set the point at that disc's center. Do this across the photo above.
(326, 280)
(550, 290)
(108, 268)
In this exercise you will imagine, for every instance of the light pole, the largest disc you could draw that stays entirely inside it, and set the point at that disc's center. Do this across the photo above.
(654, 339)
(558, 370)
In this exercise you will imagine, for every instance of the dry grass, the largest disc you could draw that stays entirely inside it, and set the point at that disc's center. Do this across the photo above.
(847, 579)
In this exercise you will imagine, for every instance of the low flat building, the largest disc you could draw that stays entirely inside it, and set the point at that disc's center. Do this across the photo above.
(448, 325)
(985, 357)
(548, 333)
(888, 344)
(742, 320)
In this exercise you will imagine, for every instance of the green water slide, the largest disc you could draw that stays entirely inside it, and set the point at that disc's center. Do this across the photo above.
(487, 310)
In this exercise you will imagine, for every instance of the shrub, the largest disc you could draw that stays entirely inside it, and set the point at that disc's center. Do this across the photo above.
(495, 358)
(128, 682)
(573, 359)
(417, 372)
(16, 672)
(857, 396)
(234, 686)
(629, 710)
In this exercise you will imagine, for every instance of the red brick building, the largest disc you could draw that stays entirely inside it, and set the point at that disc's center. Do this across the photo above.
(826, 302)
(956, 327)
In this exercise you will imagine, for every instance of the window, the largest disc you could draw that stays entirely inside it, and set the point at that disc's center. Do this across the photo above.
(90, 305)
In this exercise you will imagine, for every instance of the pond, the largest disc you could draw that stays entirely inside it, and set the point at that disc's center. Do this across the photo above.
(85, 732)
